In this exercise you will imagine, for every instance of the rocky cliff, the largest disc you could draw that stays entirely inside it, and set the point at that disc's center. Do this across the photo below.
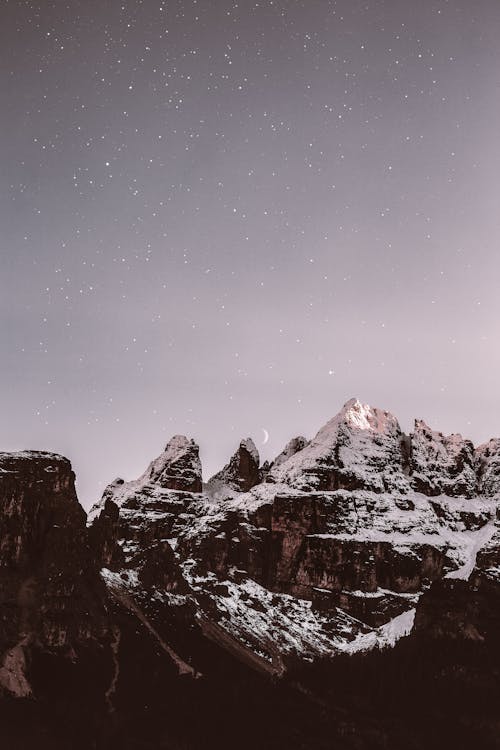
(51, 593)
(363, 547)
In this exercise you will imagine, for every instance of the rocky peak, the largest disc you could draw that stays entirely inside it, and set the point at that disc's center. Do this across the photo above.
(363, 417)
(488, 467)
(178, 467)
(360, 447)
(242, 471)
(442, 464)
(293, 446)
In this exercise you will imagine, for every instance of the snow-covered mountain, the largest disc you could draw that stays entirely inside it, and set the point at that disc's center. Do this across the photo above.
(360, 539)
(323, 553)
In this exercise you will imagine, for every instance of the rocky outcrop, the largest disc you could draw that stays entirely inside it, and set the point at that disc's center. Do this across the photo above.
(488, 556)
(465, 610)
(242, 471)
(307, 556)
(51, 594)
(178, 467)
(488, 468)
(104, 535)
(37, 493)
(442, 464)
(295, 445)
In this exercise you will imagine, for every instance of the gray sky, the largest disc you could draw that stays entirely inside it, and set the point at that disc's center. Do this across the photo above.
(218, 217)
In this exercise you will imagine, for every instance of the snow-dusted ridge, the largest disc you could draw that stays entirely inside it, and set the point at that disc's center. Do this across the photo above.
(326, 551)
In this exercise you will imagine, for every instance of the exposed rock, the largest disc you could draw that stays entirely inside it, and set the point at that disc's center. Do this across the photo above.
(311, 550)
(488, 468)
(488, 556)
(242, 471)
(460, 610)
(442, 464)
(13, 679)
(37, 497)
(264, 471)
(105, 533)
(178, 467)
(295, 445)
(51, 595)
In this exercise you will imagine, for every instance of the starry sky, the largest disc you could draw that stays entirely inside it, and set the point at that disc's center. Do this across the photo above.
(220, 216)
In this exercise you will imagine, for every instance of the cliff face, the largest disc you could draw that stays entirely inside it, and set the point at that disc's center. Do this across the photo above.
(51, 594)
(343, 546)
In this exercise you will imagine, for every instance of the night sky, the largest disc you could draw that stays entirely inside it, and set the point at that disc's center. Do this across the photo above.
(220, 217)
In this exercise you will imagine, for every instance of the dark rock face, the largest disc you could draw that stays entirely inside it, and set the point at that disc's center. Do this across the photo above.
(488, 557)
(460, 610)
(242, 471)
(104, 535)
(338, 566)
(37, 491)
(51, 595)
(307, 556)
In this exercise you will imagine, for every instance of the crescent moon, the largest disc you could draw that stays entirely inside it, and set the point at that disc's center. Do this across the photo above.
(266, 436)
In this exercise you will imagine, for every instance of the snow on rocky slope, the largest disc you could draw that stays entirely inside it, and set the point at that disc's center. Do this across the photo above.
(327, 551)
(359, 448)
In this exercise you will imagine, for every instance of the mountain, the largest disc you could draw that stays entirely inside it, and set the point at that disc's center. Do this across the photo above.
(346, 595)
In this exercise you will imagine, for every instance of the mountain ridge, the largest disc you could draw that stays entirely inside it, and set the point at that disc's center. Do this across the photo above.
(360, 543)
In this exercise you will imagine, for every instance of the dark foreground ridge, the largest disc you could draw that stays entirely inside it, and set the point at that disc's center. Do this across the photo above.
(347, 596)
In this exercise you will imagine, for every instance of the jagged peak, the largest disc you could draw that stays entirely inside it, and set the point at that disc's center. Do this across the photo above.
(493, 444)
(176, 447)
(357, 446)
(487, 457)
(295, 445)
(179, 442)
(181, 453)
(442, 463)
(454, 438)
(366, 417)
(359, 416)
(242, 471)
(249, 445)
